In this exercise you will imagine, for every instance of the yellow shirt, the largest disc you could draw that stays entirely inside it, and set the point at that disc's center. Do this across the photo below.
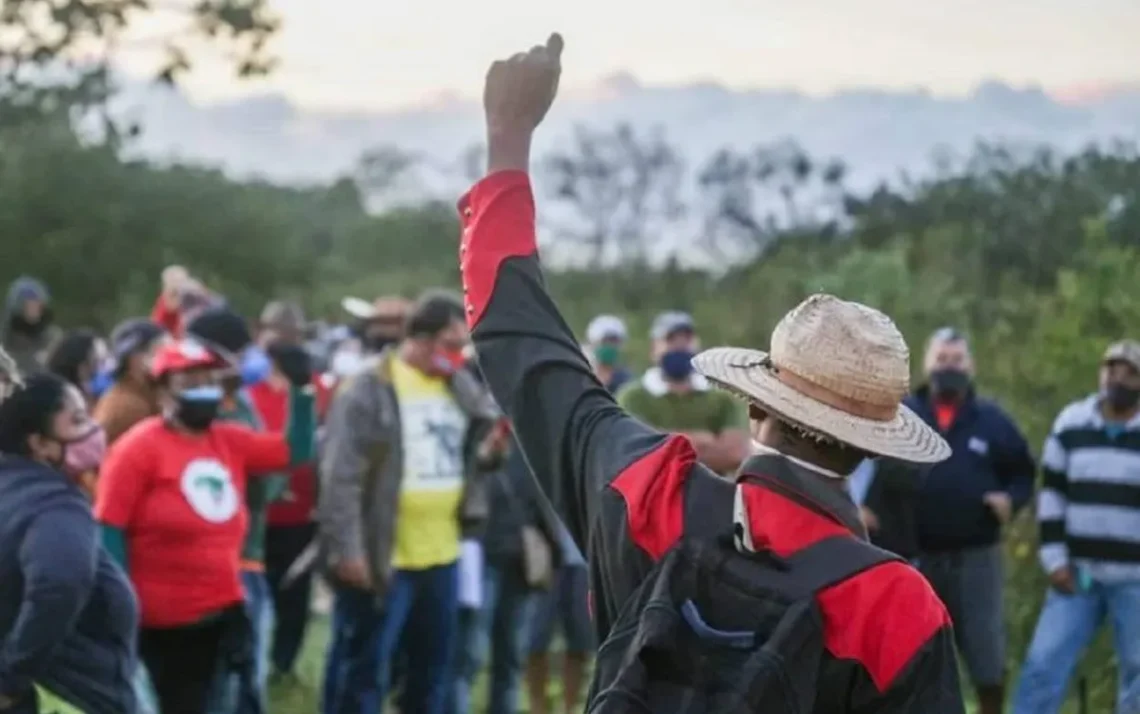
(427, 522)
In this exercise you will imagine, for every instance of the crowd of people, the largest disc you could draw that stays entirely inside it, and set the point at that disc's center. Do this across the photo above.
(467, 477)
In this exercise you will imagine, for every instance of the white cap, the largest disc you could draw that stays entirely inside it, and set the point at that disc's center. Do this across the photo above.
(605, 327)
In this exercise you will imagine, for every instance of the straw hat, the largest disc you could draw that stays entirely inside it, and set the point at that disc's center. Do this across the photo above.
(386, 308)
(838, 368)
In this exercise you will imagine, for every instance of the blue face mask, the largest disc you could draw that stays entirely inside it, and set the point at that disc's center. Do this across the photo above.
(100, 383)
(677, 365)
(255, 366)
(204, 393)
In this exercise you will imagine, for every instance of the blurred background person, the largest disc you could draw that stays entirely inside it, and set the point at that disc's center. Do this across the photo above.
(171, 501)
(963, 504)
(408, 441)
(281, 321)
(605, 340)
(375, 327)
(77, 357)
(132, 396)
(1089, 518)
(290, 518)
(228, 334)
(28, 330)
(509, 594)
(671, 396)
(68, 617)
(886, 492)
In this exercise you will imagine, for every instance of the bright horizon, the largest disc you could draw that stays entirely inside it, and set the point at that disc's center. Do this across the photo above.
(368, 55)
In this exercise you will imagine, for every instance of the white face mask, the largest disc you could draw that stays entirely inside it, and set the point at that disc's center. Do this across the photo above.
(346, 362)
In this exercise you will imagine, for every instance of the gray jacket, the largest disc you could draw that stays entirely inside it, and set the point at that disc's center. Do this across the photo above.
(362, 467)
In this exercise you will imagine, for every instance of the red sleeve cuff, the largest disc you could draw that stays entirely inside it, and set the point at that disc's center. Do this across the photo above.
(497, 216)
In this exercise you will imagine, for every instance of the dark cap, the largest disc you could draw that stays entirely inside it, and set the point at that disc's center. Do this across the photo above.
(668, 324)
(132, 335)
(222, 329)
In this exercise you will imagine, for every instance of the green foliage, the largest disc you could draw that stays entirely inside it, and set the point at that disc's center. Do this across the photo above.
(1035, 259)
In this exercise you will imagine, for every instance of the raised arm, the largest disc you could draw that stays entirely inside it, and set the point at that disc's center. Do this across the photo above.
(575, 438)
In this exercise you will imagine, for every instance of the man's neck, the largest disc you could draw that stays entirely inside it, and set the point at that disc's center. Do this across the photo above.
(1119, 417)
(604, 373)
(411, 354)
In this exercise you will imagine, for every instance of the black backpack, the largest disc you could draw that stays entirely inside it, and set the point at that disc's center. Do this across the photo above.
(711, 629)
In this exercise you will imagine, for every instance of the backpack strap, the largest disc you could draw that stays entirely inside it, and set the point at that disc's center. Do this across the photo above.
(835, 559)
(709, 503)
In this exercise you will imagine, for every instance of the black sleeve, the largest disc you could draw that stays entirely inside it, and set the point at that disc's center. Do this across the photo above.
(927, 684)
(575, 438)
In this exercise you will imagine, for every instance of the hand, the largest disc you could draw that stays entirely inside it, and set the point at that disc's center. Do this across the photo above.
(870, 520)
(496, 441)
(516, 96)
(1001, 504)
(354, 573)
(1063, 581)
(6, 702)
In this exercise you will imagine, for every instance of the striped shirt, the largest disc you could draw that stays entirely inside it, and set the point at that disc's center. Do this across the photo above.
(1089, 506)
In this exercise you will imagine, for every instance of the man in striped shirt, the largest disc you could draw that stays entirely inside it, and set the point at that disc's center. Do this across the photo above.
(1089, 513)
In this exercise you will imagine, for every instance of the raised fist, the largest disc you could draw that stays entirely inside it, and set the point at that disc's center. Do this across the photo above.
(518, 91)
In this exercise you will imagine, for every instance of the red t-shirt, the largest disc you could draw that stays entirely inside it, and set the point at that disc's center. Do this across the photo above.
(179, 499)
(167, 317)
(945, 413)
(300, 501)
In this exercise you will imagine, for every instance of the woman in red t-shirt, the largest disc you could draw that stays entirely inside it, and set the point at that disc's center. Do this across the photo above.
(170, 498)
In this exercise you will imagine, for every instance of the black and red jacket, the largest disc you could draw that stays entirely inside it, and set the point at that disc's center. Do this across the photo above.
(621, 484)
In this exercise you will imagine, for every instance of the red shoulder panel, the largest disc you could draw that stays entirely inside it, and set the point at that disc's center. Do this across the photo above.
(881, 618)
(498, 223)
(654, 491)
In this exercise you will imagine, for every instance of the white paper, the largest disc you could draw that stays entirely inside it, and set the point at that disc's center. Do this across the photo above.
(471, 574)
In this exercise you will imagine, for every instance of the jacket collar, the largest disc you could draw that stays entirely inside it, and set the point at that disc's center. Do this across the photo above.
(823, 496)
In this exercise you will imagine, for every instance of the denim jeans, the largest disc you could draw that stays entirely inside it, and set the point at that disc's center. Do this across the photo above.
(1065, 628)
(501, 625)
(366, 637)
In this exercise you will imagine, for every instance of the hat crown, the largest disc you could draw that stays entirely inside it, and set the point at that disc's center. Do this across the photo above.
(844, 348)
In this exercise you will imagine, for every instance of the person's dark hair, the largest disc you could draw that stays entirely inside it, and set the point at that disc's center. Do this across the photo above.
(132, 337)
(220, 327)
(433, 313)
(801, 442)
(29, 410)
(72, 352)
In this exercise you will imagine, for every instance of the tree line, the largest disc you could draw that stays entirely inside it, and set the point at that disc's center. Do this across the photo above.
(1034, 254)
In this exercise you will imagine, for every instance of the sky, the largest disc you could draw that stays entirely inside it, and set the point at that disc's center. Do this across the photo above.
(382, 54)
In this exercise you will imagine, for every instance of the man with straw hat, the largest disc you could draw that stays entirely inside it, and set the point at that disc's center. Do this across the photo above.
(827, 395)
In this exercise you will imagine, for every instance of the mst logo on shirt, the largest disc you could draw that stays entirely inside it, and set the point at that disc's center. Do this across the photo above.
(434, 428)
(209, 489)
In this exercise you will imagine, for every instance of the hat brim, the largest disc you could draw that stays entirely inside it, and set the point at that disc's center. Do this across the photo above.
(740, 371)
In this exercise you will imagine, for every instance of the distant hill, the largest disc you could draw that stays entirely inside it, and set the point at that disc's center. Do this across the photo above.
(878, 133)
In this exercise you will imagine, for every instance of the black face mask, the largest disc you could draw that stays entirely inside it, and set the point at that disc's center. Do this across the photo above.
(949, 383)
(195, 410)
(377, 343)
(1121, 397)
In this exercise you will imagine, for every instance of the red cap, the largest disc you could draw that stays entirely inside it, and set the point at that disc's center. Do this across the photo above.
(183, 355)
